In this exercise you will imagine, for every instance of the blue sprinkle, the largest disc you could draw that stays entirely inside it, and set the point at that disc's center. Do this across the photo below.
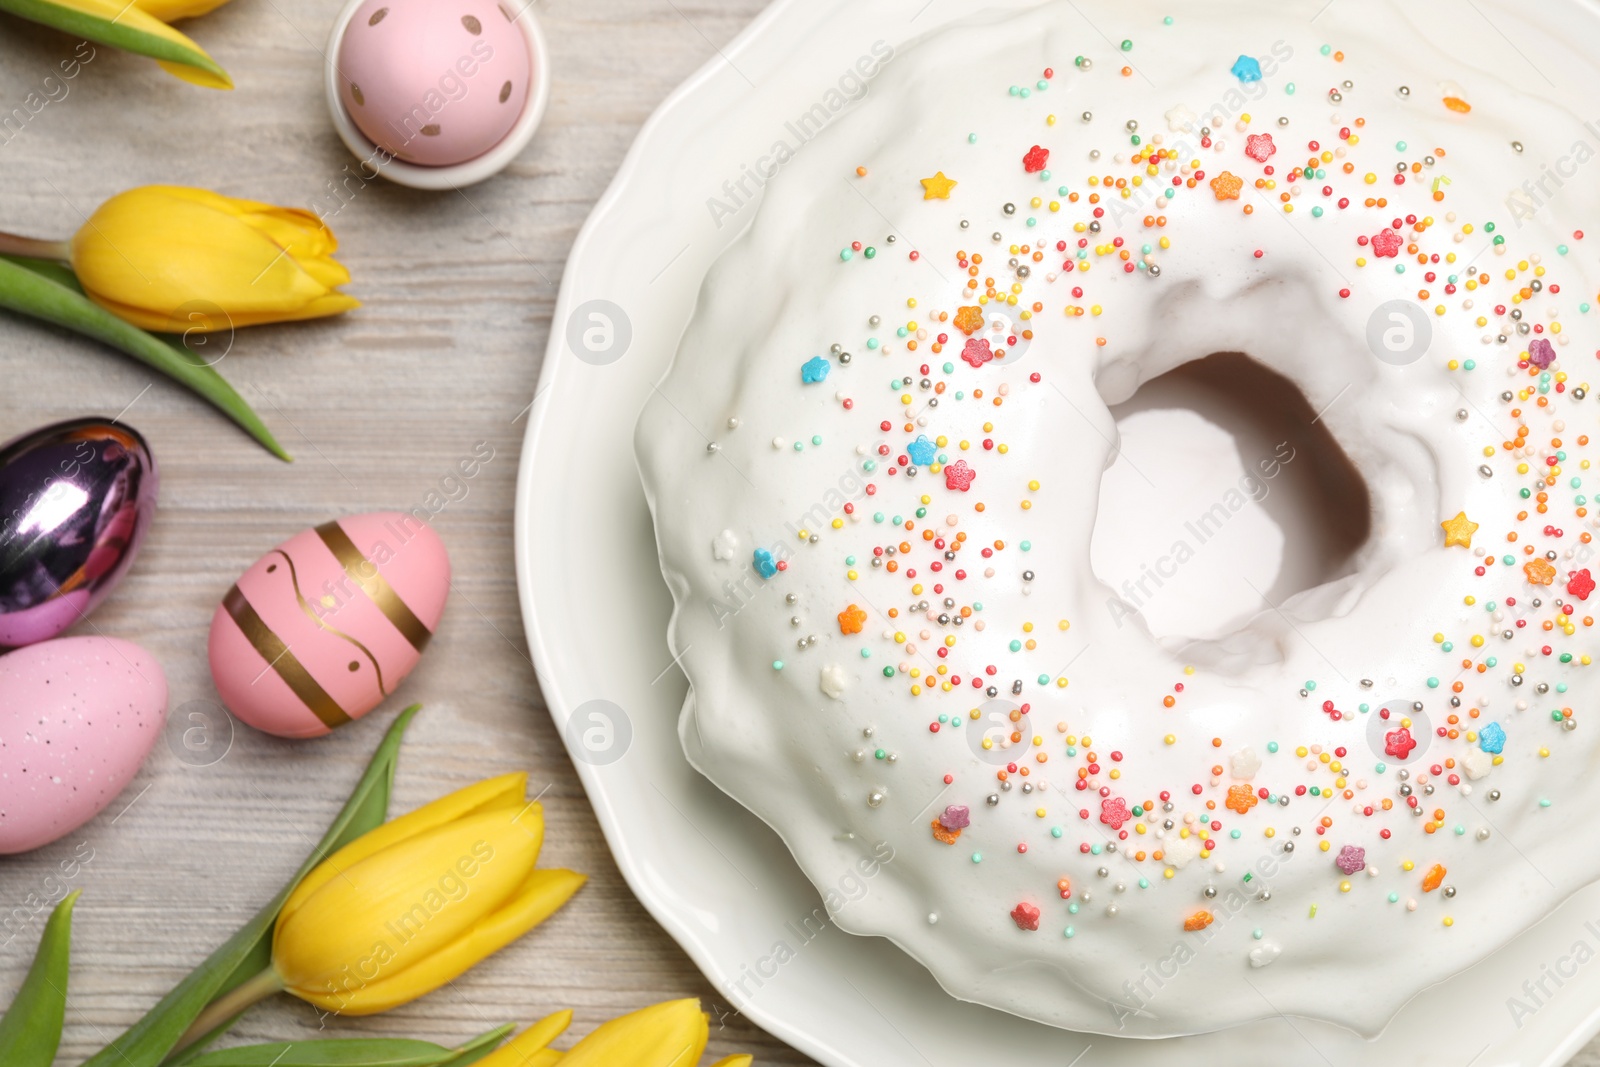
(815, 370)
(1247, 69)
(1492, 738)
(765, 563)
(922, 451)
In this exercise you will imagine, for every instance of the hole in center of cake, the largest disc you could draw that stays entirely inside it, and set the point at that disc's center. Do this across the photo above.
(1226, 493)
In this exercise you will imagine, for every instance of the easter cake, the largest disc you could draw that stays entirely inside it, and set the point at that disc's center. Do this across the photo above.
(874, 467)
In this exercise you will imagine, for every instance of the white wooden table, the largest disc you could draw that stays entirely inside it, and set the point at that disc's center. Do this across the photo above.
(377, 407)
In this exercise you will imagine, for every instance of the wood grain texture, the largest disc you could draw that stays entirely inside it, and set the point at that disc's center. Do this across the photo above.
(378, 407)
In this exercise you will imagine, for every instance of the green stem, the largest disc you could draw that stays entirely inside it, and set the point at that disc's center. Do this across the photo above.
(48, 291)
(33, 248)
(228, 1005)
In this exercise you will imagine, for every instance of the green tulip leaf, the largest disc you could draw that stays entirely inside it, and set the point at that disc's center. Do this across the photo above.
(30, 1033)
(135, 32)
(350, 1052)
(354, 1052)
(38, 289)
(479, 1047)
(150, 1041)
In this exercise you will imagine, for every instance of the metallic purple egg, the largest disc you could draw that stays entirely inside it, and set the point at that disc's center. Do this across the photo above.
(75, 500)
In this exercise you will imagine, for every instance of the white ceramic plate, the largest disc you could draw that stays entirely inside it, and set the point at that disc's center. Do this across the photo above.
(596, 609)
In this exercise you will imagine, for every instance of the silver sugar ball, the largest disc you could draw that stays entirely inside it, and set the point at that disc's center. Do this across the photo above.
(875, 798)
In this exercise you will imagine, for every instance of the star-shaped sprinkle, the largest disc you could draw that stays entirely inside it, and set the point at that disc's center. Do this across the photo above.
(1247, 69)
(1351, 859)
(1492, 738)
(1539, 572)
(1241, 798)
(1459, 530)
(1035, 159)
(976, 352)
(1540, 353)
(937, 187)
(969, 319)
(1387, 243)
(1580, 584)
(1399, 743)
(956, 817)
(943, 833)
(1226, 186)
(1114, 812)
(851, 619)
(814, 370)
(1198, 921)
(1026, 916)
(1180, 118)
(959, 476)
(1259, 147)
(922, 451)
(1434, 878)
(764, 563)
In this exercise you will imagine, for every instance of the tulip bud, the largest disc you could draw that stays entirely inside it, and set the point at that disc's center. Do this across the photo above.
(664, 1035)
(410, 906)
(528, 1049)
(173, 10)
(176, 260)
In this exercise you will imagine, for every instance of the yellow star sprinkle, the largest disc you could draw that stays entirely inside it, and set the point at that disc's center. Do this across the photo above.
(937, 187)
(1459, 530)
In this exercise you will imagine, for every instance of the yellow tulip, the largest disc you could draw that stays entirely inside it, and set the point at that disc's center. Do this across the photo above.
(672, 1034)
(173, 10)
(175, 260)
(528, 1049)
(139, 27)
(412, 905)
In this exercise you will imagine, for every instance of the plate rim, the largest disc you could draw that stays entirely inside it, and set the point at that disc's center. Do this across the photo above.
(555, 356)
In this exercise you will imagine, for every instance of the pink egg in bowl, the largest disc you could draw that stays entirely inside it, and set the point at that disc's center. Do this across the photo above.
(325, 626)
(436, 93)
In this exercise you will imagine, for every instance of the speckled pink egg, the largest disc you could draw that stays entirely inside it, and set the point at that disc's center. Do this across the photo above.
(325, 626)
(78, 716)
(434, 82)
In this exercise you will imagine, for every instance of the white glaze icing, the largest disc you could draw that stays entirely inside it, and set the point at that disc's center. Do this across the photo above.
(777, 741)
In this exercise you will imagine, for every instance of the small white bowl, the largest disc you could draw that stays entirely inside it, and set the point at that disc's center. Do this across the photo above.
(458, 174)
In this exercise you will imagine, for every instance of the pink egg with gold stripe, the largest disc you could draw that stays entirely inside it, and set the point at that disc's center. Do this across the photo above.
(325, 626)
